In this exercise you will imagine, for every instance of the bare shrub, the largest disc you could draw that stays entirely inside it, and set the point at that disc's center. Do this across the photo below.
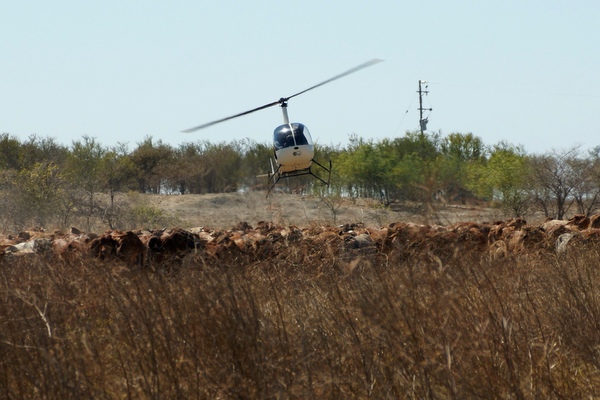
(134, 211)
(333, 203)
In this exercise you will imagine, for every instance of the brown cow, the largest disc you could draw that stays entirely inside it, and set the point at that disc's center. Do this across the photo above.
(125, 246)
(552, 224)
(580, 221)
(222, 246)
(72, 247)
(595, 221)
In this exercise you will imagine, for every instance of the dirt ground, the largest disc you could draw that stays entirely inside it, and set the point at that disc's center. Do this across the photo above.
(225, 210)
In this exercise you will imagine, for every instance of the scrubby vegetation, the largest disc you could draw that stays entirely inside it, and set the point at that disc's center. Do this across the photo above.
(44, 183)
(308, 323)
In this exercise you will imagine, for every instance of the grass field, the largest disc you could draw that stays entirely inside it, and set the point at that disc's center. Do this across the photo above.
(224, 210)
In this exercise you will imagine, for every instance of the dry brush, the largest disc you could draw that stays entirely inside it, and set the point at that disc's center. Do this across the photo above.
(405, 311)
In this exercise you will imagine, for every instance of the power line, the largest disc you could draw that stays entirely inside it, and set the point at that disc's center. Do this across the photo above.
(405, 113)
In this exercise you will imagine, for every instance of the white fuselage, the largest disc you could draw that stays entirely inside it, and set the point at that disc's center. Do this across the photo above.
(296, 158)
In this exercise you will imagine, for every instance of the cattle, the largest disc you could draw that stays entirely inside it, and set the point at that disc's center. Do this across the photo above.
(471, 234)
(12, 250)
(558, 225)
(174, 241)
(381, 238)
(497, 250)
(125, 246)
(223, 246)
(73, 246)
(38, 245)
(562, 241)
(360, 241)
(503, 230)
(432, 244)
(595, 221)
(6, 242)
(266, 227)
(585, 239)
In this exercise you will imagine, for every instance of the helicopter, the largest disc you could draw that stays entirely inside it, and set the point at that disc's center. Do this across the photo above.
(293, 148)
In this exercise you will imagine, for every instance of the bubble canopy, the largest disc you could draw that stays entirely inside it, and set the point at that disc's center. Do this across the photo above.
(291, 135)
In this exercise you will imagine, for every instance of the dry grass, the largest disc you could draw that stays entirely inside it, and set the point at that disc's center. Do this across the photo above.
(312, 325)
(227, 209)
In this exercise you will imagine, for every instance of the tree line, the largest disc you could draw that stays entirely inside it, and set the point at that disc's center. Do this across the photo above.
(432, 168)
(43, 181)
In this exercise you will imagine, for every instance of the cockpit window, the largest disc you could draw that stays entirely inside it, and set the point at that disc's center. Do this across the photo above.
(290, 135)
(300, 137)
(282, 137)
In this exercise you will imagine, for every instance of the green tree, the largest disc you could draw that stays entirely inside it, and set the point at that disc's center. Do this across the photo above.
(389, 170)
(39, 191)
(117, 171)
(417, 171)
(363, 169)
(10, 152)
(504, 179)
(185, 174)
(425, 146)
(458, 153)
(86, 175)
(37, 149)
(255, 161)
(152, 165)
(222, 162)
(464, 147)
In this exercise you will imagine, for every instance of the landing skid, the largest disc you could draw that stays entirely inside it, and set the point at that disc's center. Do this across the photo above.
(275, 175)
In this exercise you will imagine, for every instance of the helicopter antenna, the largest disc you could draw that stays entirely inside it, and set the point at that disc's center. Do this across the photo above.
(283, 101)
(423, 121)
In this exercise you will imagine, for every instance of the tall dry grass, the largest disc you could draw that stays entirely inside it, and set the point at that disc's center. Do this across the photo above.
(309, 326)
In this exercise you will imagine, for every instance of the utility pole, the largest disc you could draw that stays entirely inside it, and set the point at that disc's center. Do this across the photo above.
(423, 121)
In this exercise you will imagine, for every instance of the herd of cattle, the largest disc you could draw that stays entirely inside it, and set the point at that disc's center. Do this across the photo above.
(141, 249)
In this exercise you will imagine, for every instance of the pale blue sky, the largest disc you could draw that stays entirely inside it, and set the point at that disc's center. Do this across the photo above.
(527, 72)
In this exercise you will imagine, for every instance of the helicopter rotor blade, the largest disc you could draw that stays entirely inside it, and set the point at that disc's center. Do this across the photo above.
(285, 99)
(343, 74)
(197, 128)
